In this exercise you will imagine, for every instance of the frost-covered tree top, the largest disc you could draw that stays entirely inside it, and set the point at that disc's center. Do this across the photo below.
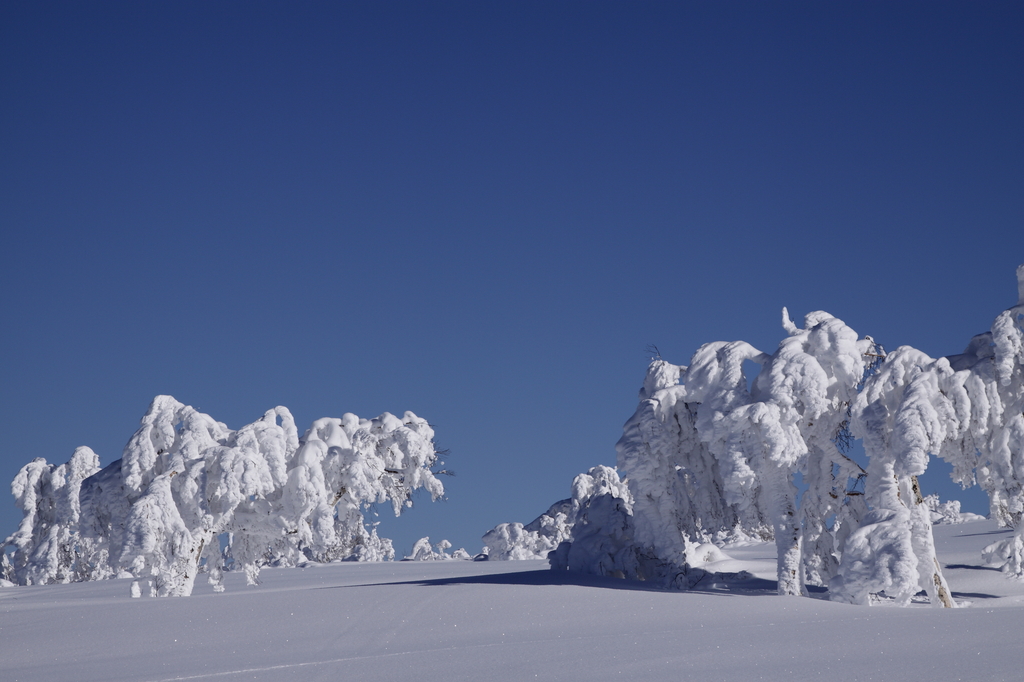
(186, 483)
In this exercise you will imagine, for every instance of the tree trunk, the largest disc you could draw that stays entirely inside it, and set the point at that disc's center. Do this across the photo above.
(782, 503)
(924, 547)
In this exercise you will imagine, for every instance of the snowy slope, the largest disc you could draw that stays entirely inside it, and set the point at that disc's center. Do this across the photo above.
(458, 620)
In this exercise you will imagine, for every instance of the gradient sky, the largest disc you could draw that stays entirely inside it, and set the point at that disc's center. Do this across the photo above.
(481, 212)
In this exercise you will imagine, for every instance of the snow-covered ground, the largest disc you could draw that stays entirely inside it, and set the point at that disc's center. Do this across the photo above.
(461, 620)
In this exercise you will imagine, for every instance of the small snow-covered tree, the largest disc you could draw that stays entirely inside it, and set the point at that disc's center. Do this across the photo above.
(422, 550)
(48, 496)
(517, 542)
(185, 481)
(948, 512)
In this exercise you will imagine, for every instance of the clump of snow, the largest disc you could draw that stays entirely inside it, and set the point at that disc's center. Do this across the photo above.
(707, 553)
(592, 532)
(516, 542)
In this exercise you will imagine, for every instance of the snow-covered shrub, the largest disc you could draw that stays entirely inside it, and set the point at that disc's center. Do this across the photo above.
(591, 532)
(603, 541)
(946, 513)
(185, 481)
(535, 540)
(513, 542)
(422, 550)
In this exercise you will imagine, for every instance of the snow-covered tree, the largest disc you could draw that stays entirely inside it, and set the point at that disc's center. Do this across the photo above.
(995, 384)
(966, 409)
(913, 406)
(707, 457)
(185, 482)
(710, 456)
(48, 496)
(702, 452)
(676, 482)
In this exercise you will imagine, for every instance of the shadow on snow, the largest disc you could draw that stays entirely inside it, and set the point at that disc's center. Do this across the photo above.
(710, 584)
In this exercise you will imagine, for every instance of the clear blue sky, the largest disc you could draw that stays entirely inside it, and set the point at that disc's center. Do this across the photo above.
(481, 212)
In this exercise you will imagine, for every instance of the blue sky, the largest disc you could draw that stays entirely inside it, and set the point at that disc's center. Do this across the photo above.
(481, 212)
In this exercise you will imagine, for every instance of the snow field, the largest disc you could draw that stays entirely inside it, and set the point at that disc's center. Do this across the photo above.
(514, 620)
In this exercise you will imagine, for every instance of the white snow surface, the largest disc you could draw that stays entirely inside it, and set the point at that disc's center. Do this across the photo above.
(462, 620)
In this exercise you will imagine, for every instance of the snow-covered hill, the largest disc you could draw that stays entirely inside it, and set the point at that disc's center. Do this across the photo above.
(461, 620)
